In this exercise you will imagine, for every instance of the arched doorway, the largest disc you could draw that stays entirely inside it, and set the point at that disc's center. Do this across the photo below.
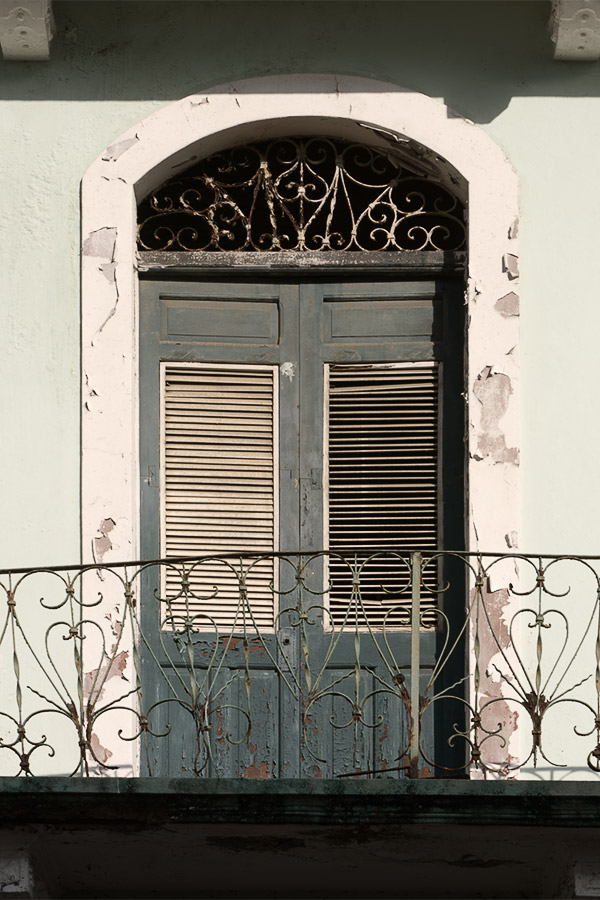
(465, 159)
(304, 397)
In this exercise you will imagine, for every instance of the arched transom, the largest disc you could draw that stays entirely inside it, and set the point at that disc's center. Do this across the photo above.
(302, 194)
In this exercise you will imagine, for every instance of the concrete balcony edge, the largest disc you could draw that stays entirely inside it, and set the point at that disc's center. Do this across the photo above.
(168, 801)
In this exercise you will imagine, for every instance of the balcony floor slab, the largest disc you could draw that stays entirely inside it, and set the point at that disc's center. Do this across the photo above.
(158, 801)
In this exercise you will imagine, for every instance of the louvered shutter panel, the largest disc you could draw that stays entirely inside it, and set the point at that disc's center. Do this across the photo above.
(219, 485)
(383, 478)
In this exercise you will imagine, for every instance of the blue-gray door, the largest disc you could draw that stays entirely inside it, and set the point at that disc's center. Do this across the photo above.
(361, 383)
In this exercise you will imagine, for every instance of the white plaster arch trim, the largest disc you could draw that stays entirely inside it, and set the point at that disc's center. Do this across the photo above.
(197, 126)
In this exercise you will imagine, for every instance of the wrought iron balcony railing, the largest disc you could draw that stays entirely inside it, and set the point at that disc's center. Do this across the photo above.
(330, 665)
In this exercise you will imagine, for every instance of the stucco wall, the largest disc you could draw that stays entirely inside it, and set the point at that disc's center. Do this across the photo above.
(111, 66)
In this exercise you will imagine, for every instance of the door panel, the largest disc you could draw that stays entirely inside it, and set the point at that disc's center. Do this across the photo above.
(303, 698)
(203, 319)
(361, 322)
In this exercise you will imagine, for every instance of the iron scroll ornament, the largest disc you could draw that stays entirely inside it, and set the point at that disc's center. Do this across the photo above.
(301, 194)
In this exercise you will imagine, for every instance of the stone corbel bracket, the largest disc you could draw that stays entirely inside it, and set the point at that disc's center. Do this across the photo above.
(575, 29)
(26, 30)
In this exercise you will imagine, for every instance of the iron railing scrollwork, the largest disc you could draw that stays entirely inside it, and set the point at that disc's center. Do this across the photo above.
(86, 679)
(302, 194)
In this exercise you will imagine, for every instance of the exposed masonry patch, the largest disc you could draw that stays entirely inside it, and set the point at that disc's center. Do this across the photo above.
(495, 602)
(116, 625)
(102, 754)
(508, 305)
(510, 265)
(109, 272)
(513, 231)
(103, 543)
(114, 666)
(500, 712)
(512, 540)
(101, 243)
(493, 390)
(94, 682)
(117, 149)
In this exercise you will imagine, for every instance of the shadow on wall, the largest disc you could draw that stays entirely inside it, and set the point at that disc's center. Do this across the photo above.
(255, 861)
(475, 56)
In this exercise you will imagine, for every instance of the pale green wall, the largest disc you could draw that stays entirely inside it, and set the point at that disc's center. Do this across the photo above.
(114, 63)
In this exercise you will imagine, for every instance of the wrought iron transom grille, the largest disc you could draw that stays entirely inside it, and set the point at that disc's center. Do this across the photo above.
(301, 194)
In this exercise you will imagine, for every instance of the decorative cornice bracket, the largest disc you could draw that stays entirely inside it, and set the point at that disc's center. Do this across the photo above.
(575, 29)
(26, 29)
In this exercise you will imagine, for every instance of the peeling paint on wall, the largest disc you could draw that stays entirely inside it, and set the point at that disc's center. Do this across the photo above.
(112, 153)
(103, 543)
(102, 754)
(508, 305)
(111, 668)
(499, 714)
(493, 390)
(510, 265)
(109, 272)
(101, 243)
(116, 623)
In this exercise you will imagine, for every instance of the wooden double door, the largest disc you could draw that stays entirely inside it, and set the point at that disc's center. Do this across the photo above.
(311, 433)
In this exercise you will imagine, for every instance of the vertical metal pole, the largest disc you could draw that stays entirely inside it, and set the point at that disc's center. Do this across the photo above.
(415, 664)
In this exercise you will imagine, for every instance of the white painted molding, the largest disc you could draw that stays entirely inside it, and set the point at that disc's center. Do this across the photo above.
(26, 29)
(575, 29)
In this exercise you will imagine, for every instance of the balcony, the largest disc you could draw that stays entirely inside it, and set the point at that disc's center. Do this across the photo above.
(329, 667)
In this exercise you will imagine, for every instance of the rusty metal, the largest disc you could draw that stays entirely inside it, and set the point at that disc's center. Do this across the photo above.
(74, 651)
(302, 194)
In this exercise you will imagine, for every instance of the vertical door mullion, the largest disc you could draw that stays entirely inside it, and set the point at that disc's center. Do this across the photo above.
(311, 418)
(289, 430)
(289, 514)
(311, 658)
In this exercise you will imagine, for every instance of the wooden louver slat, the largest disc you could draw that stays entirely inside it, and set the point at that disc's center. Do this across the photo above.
(383, 477)
(219, 488)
